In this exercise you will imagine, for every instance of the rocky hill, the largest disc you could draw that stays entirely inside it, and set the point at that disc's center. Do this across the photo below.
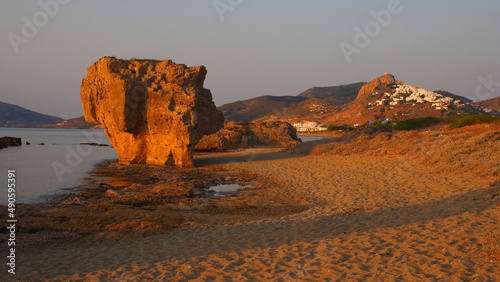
(382, 98)
(313, 101)
(386, 98)
(16, 116)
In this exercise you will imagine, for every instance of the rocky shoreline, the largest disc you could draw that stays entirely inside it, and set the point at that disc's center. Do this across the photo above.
(237, 135)
(130, 201)
(10, 142)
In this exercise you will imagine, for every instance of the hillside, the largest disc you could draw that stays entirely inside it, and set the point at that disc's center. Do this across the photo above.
(16, 116)
(73, 123)
(313, 101)
(454, 96)
(386, 98)
(357, 103)
(491, 104)
(336, 95)
(248, 110)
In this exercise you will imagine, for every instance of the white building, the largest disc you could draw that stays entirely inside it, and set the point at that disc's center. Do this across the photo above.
(308, 126)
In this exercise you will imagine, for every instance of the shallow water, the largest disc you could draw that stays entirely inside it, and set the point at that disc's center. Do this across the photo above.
(43, 171)
(223, 190)
(311, 138)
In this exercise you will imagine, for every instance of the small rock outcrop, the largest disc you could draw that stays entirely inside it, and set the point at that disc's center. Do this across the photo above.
(10, 141)
(153, 112)
(247, 134)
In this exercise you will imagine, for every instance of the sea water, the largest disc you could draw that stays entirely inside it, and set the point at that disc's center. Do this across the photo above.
(223, 190)
(44, 171)
(310, 138)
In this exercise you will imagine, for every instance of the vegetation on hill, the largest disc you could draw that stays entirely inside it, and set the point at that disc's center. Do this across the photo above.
(416, 123)
(455, 121)
(461, 121)
(472, 148)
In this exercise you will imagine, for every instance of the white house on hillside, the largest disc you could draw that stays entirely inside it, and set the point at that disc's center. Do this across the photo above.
(308, 126)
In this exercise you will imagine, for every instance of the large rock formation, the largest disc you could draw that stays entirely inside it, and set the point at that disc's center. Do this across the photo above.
(153, 112)
(248, 134)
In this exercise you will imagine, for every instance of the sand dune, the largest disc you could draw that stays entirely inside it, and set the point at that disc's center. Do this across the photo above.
(369, 219)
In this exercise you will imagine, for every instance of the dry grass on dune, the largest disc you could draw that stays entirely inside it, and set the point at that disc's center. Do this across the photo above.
(474, 148)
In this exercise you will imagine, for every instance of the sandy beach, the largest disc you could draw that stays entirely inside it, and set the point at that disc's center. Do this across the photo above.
(369, 218)
(250, 141)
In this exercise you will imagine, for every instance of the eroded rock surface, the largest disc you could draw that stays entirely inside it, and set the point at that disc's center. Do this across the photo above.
(153, 112)
(374, 85)
(248, 134)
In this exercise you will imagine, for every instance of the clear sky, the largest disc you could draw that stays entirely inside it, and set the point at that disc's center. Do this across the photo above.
(250, 47)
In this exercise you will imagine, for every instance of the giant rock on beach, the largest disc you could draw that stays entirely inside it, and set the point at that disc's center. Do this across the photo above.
(153, 112)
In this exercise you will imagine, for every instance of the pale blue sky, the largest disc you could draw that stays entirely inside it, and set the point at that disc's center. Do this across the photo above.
(260, 48)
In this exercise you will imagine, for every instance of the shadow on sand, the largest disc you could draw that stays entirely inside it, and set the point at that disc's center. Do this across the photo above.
(257, 154)
(201, 242)
(247, 155)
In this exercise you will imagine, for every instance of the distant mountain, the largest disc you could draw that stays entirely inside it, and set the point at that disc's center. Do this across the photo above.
(255, 108)
(16, 116)
(336, 95)
(314, 101)
(491, 104)
(73, 123)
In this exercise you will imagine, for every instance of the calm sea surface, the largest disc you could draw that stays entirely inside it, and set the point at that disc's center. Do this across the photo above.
(43, 171)
(310, 138)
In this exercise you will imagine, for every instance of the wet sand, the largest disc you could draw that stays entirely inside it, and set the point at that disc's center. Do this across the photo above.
(369, 218)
